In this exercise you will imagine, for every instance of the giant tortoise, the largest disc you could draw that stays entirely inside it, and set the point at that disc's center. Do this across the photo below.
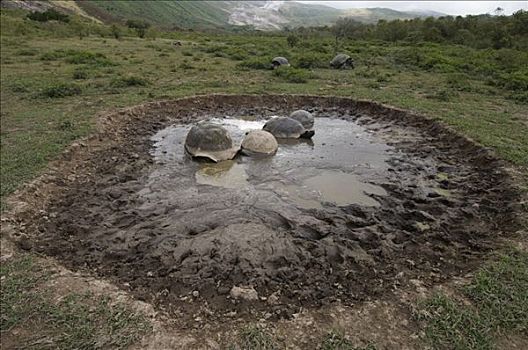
(342, 61)
(259, 142)
(210, 141)
(286, 128)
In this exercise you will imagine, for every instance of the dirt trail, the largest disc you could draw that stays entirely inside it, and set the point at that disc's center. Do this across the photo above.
(448, 203)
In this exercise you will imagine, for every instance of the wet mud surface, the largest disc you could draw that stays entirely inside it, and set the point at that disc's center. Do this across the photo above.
(380, 197)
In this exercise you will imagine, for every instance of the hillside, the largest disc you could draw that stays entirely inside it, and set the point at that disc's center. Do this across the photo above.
(373, 15)
(262, 15)
(169, 14)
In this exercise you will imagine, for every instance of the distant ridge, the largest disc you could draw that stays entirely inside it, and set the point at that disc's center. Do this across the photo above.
(262, 15)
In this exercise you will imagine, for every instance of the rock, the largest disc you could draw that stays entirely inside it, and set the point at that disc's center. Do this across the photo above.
(421, 227)
(25, 244)
(274, 299)
(244, 293)
(223, 290)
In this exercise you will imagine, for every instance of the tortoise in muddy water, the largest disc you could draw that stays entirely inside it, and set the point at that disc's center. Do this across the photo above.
(342, 61)
(259, 142)
(304, 117)
(279, 61)
(211, 141)
(286, 128)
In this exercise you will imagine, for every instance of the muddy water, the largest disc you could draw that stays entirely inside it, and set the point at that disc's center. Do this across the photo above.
(337, 167)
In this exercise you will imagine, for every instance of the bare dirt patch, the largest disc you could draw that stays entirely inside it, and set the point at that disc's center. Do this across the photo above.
(448, 201)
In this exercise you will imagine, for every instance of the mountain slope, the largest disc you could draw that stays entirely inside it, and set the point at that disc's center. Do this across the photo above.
(263, 15)
(277, 14)
(179, 14)
(373, 15)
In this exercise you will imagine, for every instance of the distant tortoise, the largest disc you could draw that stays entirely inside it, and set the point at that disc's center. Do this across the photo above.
(342, 61)
(286, 128)
(259, 142)
(304, 117)
(210, 141)
(279, 61)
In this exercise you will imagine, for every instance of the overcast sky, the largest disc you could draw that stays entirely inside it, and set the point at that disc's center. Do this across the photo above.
(448, 7)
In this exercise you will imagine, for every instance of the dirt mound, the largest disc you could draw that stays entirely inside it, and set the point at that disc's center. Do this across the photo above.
(447, 202)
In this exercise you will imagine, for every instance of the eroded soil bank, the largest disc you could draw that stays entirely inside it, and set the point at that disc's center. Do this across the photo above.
(445, 202)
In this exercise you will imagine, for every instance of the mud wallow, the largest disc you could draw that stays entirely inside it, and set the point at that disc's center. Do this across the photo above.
(116, 205)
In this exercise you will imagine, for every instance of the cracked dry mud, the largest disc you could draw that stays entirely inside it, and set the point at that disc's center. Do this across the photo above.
(125, 205)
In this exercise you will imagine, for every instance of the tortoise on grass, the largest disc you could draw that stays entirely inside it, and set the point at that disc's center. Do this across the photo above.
(278, 62)
(342, 61)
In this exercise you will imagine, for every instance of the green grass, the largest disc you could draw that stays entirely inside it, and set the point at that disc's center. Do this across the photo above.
(256, 338)
(335, 340)
(499, 304)
(76, 321)
(129, 80)
(293, 75)
(58, 90)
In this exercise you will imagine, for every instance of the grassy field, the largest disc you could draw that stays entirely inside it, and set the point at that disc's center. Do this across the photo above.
(53, 86)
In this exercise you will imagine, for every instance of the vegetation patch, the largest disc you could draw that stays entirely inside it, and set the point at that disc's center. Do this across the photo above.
(444, 95)
(256, 338)
(312, 60)
(61, 90)
(80, 74)
(186, 65)
(26, 52)
(256, 63)
(128, 81)
(336, 340)
(499, 303)
(73, 322)
(515, 81)
(459, 82)
(78, 57)
(48, 15)
(293, 75)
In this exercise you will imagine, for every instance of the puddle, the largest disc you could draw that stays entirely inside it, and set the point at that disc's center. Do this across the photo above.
(228, 174)
(336, 188)
(336, 167)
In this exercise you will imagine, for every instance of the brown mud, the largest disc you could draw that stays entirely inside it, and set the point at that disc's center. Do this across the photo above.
(447, 203)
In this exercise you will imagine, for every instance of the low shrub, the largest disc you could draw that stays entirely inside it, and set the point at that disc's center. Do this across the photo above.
(214, 48)
(129, 80)
(293, 75)
(443, 95)
(292, 40)
(309, 60)
(48, 15)
(78, 57)
(459, 82)
(237, 54)
(86, 57)
(26, 52)
(516, 81)
(80, 74)
(256, 63)
(60, 90)
(186, 66)
(519, 96)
